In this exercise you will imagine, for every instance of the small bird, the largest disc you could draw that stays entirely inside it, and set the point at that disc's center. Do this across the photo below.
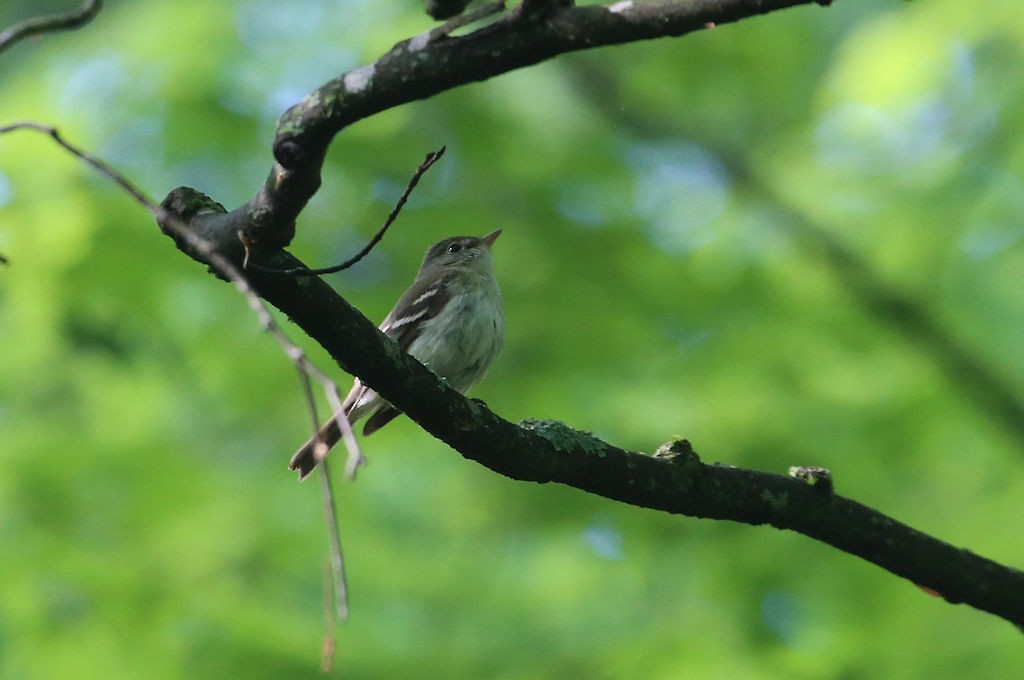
(451, 319)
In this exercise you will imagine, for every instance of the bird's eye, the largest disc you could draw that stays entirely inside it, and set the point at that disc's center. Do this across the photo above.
(455, 247)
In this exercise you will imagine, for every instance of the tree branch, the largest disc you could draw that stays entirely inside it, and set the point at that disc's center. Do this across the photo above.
(174, 215)
(421, 67)
(50, 23)
(673, 481)
(429, 161)
(542, 451)
(433, 62)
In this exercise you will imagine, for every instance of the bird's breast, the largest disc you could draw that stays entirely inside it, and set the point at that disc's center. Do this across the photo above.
(463, 339)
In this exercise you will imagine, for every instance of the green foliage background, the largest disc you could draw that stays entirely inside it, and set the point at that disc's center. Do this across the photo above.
(659, 278)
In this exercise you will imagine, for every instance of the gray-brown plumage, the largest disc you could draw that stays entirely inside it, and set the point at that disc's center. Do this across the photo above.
(451, 319)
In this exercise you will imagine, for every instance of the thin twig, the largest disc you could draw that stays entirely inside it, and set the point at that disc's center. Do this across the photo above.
(216, 260)
(430, 159)
(335, 582)
(355, 454)
(329, 645)
(294, 353)
(98, 164)
(337, 559)
(50, 23)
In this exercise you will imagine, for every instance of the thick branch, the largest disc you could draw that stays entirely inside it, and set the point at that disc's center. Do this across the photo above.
(433, 62)
(546, 451)
(426, 65)
(674, 481)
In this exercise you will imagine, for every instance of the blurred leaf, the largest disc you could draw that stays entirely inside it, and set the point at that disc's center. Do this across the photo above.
(654, 287)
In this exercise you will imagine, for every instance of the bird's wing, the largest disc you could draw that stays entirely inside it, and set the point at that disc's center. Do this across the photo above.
(404, 322)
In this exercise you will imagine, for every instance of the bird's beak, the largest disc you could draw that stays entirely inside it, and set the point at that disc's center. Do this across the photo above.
(491, 238)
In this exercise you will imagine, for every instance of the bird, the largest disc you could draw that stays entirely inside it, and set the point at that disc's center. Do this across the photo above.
(451, 319)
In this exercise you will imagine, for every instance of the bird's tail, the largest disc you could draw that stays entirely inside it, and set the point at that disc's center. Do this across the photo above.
(313, 451)
(360, 401)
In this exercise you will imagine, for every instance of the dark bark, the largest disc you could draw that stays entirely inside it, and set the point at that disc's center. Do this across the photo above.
(434, 62)
(673, 481)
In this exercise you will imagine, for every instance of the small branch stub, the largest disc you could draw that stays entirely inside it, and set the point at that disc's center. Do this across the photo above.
(677, 451)
(818, 477)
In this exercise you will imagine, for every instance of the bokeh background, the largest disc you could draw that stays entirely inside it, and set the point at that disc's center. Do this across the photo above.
(703, 237)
